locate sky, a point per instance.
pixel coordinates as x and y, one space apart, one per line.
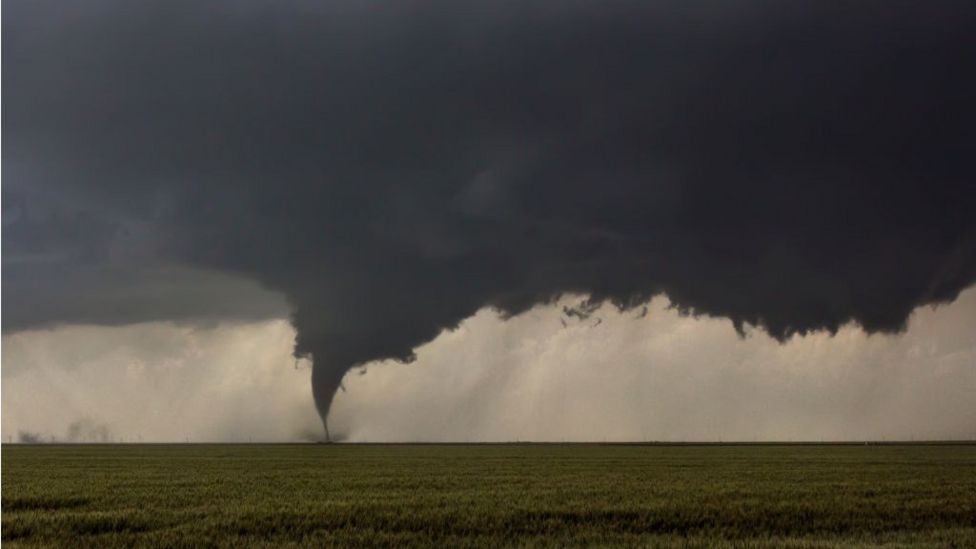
661 377
197 194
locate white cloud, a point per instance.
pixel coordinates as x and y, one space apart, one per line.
662 377
158 381
668 377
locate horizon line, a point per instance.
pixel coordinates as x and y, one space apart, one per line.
933 442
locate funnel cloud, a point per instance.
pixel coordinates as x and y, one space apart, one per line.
392 168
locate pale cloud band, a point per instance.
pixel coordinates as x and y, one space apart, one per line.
610 377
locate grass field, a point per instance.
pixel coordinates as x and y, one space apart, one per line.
489 495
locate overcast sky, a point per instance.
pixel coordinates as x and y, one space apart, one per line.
370 174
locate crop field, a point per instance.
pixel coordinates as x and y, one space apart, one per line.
489 495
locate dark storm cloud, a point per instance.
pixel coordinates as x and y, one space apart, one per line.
392 168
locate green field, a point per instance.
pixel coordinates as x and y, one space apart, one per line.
489 495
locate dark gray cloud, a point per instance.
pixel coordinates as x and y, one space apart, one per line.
393 167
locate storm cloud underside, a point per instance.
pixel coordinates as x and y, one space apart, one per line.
392 168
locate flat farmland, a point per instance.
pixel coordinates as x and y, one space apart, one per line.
489 495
